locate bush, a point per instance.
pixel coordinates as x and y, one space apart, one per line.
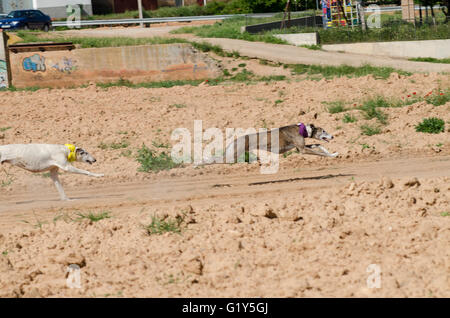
150 161
431 125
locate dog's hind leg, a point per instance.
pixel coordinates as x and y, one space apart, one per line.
55 178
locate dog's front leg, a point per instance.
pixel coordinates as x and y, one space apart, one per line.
328 154
309 151
72 169
55 178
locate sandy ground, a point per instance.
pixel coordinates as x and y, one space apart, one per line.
312 229
157 29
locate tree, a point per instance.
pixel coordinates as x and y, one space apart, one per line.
445 7
429 3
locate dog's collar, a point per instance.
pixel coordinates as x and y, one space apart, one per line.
72 154
302 130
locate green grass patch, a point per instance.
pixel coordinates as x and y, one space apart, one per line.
412 99
96 42
370 109
182 105
12 88
349 118
438 97
126 153
430 60
445 213
278 101
217 49
151 161
3 129
431 125
370 130
6 183
94 217
114 145
160 226
314 47
159 144
335 107
231 28
345 70
393 29
126 83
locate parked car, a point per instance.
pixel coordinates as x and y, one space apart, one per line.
26 19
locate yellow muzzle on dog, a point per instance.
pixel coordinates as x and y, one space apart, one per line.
72 155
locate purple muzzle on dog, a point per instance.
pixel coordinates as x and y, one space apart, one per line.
302 130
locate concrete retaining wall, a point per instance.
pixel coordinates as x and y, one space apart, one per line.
299 22
147 63
299 38
438 49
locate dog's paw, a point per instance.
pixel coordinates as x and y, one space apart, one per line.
99 175
334 154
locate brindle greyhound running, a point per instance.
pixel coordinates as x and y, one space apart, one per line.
289 137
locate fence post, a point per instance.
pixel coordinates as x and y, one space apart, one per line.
5 72
141 15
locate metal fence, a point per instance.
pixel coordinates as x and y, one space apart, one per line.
379 26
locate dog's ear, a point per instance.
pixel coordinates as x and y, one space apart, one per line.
312 126
79 151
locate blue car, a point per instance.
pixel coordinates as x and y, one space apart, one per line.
26 19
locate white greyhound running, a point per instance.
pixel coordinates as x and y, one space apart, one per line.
47 157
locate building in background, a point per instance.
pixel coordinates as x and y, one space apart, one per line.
119 6
54 8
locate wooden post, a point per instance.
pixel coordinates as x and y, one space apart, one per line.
5 72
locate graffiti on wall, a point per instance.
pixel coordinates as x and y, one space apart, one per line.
67 65
34 63
3 74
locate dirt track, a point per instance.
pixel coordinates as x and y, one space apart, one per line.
312 229
201 189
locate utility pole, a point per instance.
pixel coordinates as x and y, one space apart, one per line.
141 15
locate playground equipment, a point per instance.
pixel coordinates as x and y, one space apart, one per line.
338 13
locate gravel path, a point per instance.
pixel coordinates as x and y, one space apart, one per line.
299 55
